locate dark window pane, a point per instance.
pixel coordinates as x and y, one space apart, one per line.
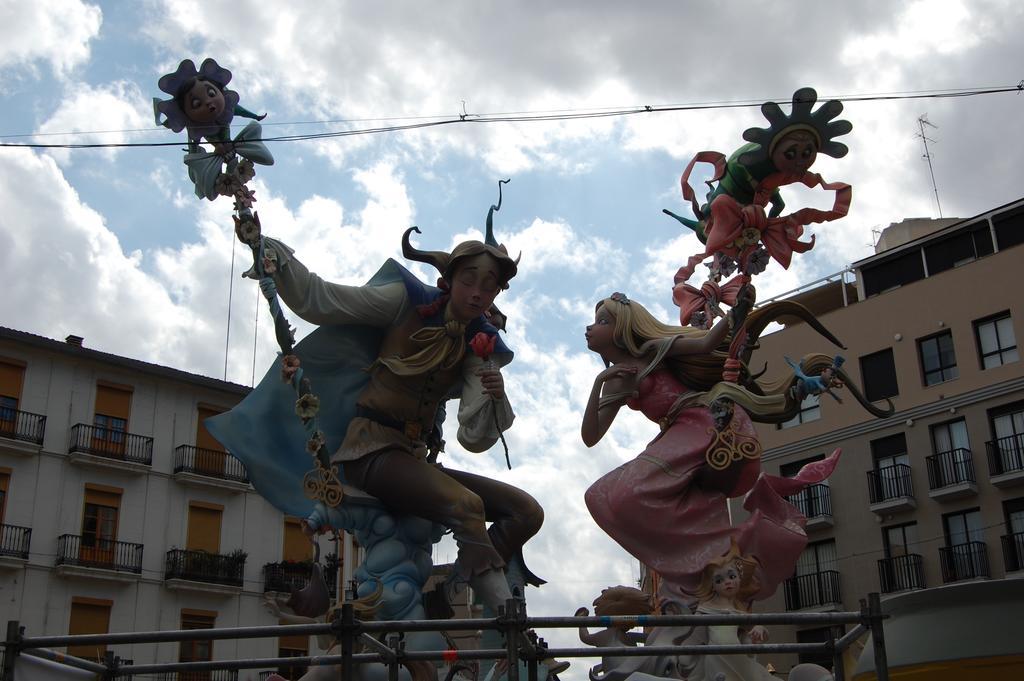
898 271
878 374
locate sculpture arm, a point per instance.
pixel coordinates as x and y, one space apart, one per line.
322 302
478 412
616 383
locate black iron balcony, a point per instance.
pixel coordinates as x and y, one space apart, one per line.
212 675
96 552
890 482
111 444
813 502
964 561
901 573
21 425
14 541
1013 551
200 566
1006 455
209 462
290 575
954 467
812 590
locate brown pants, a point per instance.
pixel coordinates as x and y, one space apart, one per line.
461 501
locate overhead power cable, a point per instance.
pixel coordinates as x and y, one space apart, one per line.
502 117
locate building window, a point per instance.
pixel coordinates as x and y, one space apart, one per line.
110 422
878 375
99 524
89 616
813 501
196 651
902 568
819 635
11 376
996 342
1006 452
965 555
810 410
292 646
1013 541
5 481
938 360
890 477
204 527
816 581
951 463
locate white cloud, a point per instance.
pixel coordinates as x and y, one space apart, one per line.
101 115
54 31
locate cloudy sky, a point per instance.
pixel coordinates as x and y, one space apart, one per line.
110 244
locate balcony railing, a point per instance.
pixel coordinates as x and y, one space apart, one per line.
1013 551
200 566
1006 455
213 675
22 425
814 502
111 444
812 590
209 462
890 482
950 468
288 576
964 561
901 573
96 552
14 541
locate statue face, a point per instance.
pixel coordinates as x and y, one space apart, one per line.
795 153
725 581
474 286
204 103
601 334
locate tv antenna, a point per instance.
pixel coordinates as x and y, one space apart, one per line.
922 121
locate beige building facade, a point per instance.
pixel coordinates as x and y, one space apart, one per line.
934 494
118 511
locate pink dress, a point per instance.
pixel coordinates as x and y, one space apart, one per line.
669 509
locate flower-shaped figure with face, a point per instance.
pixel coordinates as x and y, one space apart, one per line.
201 102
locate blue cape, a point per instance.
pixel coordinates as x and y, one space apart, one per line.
265 434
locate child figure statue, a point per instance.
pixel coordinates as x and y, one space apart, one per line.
615 601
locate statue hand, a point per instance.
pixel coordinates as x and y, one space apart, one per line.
758 634
492 382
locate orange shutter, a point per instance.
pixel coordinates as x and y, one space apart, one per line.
204 527
89 616
113 400
296 545
11 377
203 438
210 457
103 495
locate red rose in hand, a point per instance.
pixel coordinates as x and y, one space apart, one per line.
482 345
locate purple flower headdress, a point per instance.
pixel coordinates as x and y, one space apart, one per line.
184 77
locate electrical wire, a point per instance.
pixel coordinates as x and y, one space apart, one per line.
500 117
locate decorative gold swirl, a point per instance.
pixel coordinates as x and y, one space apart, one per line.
728 446
322 484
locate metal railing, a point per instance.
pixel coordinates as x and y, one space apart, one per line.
901 573
111 444
950 468
1013 551
22 425
1006 454
812 590
382 641
200 566
289 576
964 561
815 501
96 552
213 675
209 462
14 541
890 482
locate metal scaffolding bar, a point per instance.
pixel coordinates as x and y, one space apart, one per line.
512 621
